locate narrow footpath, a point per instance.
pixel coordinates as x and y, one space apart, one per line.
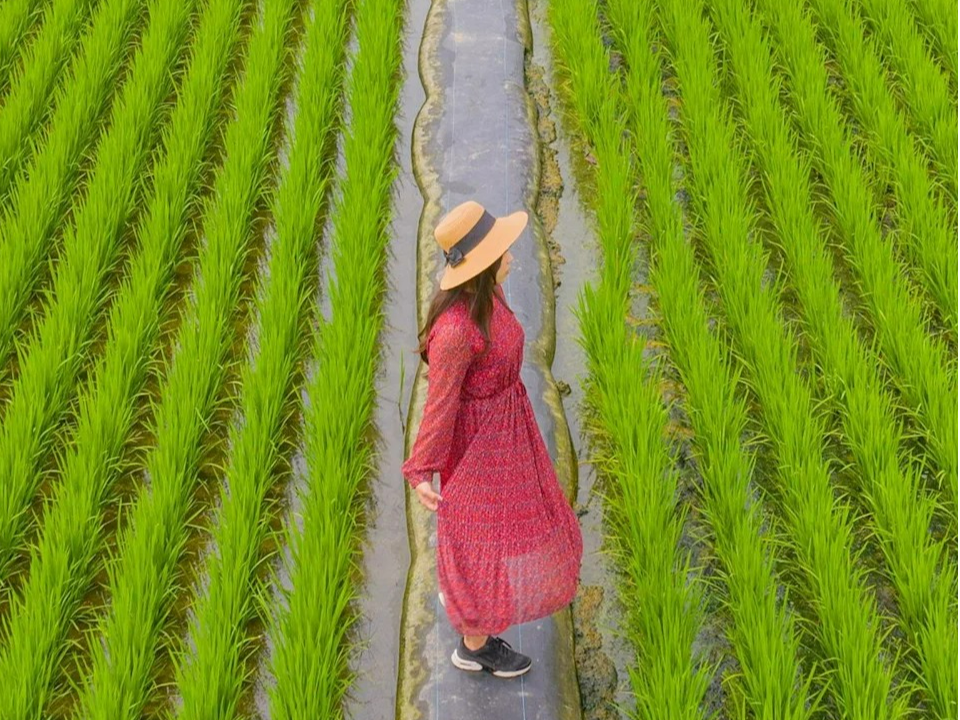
476 138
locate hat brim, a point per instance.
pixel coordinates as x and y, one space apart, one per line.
495 243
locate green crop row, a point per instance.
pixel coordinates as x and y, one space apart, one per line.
939 21
924 86
626 418
17 18
55 352
918 364
902 513
144 578
117 681
60 565
26 104
924 228
42 193
819 529
211 675
308 662
763 633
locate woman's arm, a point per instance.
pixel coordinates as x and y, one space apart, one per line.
450 355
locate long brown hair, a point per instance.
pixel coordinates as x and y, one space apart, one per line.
479 294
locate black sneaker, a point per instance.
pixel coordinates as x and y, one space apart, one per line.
496 657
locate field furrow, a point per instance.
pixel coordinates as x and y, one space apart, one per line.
211 676
144 578
54 354
62 561
919 365
938 20
924 230
27 103
307 661
627 418
43 192
888 486
17 18
821 530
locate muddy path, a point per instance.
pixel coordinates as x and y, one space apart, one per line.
476 138
475 122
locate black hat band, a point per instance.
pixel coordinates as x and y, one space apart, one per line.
457 253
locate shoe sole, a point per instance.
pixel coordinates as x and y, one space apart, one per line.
473 666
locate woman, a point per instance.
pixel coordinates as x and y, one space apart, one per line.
508 544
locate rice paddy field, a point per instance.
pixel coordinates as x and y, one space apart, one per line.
174 174
195 222
778 180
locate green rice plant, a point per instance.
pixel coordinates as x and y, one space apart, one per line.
763 634
938 20
820 528
926 232
144 578
26 105
116 683
92 243
888 486
41 196
211 674
626 419
627 422
309 626
17 18
919 366
923 84
62 562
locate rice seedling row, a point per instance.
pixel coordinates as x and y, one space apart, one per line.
308 663
918 364
763 633
53 355
938 20
820 528
26 104
42 193
923 84
626 417
17 18
118 676
61 562
144 578
888 484
924 230
211 675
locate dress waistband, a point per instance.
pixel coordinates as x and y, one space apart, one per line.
515 385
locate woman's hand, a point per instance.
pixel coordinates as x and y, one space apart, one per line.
428 498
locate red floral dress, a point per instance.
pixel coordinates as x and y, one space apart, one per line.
509 545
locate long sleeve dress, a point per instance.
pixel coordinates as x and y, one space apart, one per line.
509 545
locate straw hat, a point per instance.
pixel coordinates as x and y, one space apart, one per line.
472 239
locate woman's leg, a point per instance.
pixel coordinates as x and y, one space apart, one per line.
474 642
